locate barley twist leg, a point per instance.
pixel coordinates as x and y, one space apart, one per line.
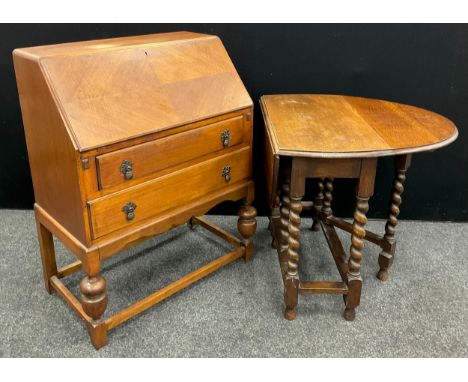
292 275
328 197
318 203
387 254
354 263
284 222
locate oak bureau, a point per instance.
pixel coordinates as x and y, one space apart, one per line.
128 138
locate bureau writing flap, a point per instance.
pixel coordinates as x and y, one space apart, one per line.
117 89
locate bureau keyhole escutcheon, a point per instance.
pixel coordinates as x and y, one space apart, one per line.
129 210
226 138
226 173
126 168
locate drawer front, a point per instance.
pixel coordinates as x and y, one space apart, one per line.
147 158
146 200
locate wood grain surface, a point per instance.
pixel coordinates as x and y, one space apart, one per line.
157 155
153 83
178 188
52 155
129 138
331 126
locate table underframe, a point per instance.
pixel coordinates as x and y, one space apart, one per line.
285 225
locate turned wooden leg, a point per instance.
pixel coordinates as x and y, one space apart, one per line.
292 275
364 190
284 222
354 264
318 203
46 245
328 197
247 225
387 254
275 214
94 301
191 224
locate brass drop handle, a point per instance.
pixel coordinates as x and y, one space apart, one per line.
129 210
226 173
126 168
226 138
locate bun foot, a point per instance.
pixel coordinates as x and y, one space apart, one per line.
349 314
290 314
382 275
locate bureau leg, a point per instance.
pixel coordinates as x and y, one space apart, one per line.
387 254
94 302
46 245
247 225
318 203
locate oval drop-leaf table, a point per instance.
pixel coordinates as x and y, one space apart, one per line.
333 136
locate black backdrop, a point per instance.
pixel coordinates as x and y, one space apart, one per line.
422 65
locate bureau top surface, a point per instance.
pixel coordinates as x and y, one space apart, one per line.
113 90
334 126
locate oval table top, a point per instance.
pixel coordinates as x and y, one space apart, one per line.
335 126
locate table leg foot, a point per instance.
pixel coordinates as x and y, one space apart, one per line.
290 314
349 314
291 291
382 275
274 245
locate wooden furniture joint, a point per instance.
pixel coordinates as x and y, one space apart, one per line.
326 137
128 138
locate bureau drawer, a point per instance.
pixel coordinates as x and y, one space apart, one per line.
146 158
132 205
